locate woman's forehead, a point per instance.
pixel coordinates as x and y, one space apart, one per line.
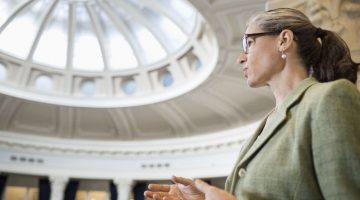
252 28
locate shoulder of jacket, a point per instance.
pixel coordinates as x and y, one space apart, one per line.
337 89
333 86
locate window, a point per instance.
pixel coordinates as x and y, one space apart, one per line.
92 195
52 46
21 193
87 52
88 87
3 72
196 64
44 83
167 79
129 86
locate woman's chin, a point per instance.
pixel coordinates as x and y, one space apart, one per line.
253 84
250 83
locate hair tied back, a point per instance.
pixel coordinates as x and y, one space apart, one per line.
320 32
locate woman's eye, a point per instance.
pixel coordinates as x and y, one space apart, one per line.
249 43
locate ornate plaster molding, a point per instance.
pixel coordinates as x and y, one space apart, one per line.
223 140
340 16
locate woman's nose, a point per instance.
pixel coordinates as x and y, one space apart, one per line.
242 58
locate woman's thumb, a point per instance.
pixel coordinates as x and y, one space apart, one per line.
202 186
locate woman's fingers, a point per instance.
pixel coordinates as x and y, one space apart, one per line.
161 196
182 180
170 192
159 187
156 195
157 191
149 194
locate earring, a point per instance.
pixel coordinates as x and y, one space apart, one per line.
311 71
283 55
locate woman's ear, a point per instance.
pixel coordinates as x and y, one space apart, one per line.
285 39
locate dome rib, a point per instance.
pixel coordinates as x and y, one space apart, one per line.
43 24
122 28
138 17
16 12
99 34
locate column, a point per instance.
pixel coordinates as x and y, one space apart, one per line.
58 184
124 187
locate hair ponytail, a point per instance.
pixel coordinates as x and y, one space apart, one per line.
335 60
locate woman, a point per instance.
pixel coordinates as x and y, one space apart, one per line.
308 146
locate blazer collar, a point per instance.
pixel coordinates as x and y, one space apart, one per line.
256 144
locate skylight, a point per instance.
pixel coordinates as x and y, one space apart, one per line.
116 52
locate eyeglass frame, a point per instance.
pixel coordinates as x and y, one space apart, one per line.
254 35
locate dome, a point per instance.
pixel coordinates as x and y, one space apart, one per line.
126 89
113 53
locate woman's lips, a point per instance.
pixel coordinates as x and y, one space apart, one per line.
245 71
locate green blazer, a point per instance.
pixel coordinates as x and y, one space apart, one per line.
310 150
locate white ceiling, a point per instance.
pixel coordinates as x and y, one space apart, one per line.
223 101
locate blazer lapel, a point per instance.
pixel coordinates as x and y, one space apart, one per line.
280 117
264 136
243 152
250 142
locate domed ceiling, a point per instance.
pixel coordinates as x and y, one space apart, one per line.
125 70
129 90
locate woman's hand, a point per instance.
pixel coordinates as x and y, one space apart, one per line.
187 189
183 189
213 193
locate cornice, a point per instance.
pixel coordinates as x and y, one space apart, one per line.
211 155
223 140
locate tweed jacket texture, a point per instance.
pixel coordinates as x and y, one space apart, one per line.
310 150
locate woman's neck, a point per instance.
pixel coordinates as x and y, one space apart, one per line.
282 84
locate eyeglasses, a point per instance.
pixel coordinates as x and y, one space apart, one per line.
246 43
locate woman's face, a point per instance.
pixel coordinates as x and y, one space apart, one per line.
263 60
